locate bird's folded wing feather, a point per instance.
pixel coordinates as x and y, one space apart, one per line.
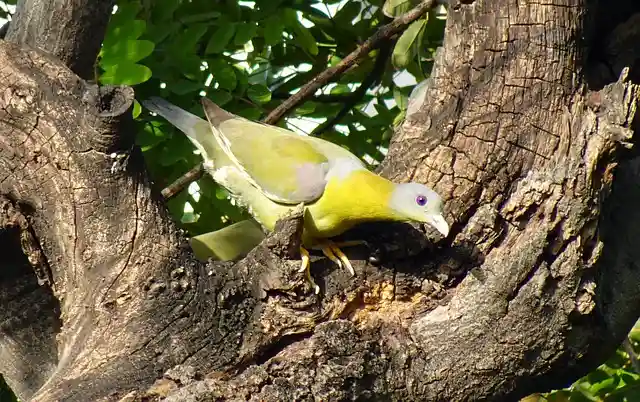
288 168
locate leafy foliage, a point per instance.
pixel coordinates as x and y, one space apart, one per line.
248 57
5 7
617 380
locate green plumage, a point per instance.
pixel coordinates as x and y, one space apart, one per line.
269 170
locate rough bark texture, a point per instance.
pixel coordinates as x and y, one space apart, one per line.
71 30
525 129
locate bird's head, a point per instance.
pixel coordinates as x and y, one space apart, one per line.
419 203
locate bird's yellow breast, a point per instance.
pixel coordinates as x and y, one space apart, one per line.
361 196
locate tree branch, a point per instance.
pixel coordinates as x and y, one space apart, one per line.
378 38
538 284
195 173
374 77
322 98
71 30
385 32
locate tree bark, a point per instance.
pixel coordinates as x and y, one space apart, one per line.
71 30
527 128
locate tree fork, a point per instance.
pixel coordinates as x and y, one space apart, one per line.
519 129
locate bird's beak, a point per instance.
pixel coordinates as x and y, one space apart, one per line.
438 222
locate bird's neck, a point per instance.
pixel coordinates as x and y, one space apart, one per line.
361 197
369 195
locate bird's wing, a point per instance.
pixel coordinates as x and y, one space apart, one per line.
246 195
288 168
223 170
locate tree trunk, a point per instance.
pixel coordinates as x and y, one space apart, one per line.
527 128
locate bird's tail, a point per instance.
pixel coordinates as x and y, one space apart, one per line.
183 120
197 130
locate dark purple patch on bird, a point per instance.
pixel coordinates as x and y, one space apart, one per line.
421 200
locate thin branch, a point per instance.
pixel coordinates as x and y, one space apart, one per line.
376 40
183 181
373 42
374 77
322 98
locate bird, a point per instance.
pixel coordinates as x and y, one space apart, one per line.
270 170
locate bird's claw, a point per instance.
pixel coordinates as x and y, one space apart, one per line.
333 252
304 267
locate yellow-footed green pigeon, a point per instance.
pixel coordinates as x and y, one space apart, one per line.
269 170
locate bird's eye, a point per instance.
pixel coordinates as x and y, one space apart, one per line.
421 200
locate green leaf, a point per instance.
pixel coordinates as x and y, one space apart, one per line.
386 135
221 193
557 396
128 30
348 13
223 74
399 118
301 34
245 32
166 11
137 109
233 10
326 24
151 135
259 93
189 65
200 17
605 386
219 97
580 394
158 33
305 39
187 40
306 108
404 50
221 37
419 68
183 86
251 113
272 29
125 74
129 50
630 378
176 148
394 8
340 89
127 11
268 6
243 80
